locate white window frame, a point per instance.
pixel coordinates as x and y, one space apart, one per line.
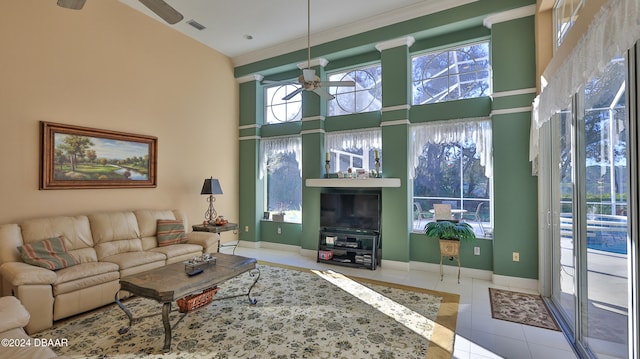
280 91
358 92
444 96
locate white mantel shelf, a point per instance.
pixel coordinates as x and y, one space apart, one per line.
353 182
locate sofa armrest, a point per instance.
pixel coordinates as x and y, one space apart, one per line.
19 273
13 315
208 241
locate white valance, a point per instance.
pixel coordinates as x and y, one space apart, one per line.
284 144
371 138
477 130
615 29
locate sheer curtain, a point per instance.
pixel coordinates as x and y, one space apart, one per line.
371 138
615 29
285 144
477 130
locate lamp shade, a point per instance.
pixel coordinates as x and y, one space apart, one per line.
211 186
71 4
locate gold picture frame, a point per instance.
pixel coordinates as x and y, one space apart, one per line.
74 157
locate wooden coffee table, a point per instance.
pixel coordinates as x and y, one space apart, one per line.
169 283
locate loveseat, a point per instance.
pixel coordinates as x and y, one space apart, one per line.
94 251
15 342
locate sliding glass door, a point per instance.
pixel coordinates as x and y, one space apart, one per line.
590 233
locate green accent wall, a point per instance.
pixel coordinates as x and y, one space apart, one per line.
281 232
515 189
395 76
513 54
516 198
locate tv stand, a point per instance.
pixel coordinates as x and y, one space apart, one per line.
349 248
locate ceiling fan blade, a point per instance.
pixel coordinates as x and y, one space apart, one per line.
71 4
323 94
337 83
164 10
309 75
292 95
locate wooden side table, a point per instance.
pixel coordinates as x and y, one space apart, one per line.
217 230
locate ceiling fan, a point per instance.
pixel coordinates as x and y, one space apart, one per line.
159 7
309 81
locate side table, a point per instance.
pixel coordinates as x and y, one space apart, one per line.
217 230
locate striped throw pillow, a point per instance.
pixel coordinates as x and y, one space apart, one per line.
49 253
170 232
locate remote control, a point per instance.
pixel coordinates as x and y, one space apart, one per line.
194 272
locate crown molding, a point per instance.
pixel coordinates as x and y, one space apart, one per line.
249 78
509 15
403 41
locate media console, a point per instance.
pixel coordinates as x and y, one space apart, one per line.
350 248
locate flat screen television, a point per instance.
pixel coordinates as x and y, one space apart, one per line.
350 211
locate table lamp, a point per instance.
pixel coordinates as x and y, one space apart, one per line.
211 186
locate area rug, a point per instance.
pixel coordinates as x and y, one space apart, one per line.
299 314
521 308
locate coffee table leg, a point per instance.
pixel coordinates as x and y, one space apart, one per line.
166 309
253 301
126 311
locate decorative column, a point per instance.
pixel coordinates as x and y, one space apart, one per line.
251 189
313 114
396 100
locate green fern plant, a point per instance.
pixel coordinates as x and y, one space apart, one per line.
449 230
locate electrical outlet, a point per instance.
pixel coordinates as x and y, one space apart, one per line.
476 251
516 256
279 230
246 228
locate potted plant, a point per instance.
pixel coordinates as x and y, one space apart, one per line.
449 230
450 233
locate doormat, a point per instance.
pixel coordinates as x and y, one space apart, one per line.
521 308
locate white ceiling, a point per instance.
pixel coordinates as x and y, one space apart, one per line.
280 26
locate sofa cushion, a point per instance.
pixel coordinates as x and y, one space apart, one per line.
49 253
84 276
148 220
115 233
170 232
177 250
134 259
75 231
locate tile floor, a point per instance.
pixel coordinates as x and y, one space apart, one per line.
477 334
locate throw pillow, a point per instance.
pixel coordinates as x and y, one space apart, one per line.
49 253
170 232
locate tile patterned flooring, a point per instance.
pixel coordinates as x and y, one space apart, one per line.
478 336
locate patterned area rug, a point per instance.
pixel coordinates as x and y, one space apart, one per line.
521 308
299 314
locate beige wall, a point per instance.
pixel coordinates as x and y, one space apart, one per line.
108 66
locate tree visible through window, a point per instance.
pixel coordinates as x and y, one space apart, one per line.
280 161
455 171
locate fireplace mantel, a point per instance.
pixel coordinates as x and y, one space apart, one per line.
353 182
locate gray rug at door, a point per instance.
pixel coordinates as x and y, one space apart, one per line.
521 308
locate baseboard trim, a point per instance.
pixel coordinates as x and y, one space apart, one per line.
501 280
452 270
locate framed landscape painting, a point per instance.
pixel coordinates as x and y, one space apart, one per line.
80 157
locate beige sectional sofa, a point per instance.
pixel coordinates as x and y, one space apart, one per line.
107 245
